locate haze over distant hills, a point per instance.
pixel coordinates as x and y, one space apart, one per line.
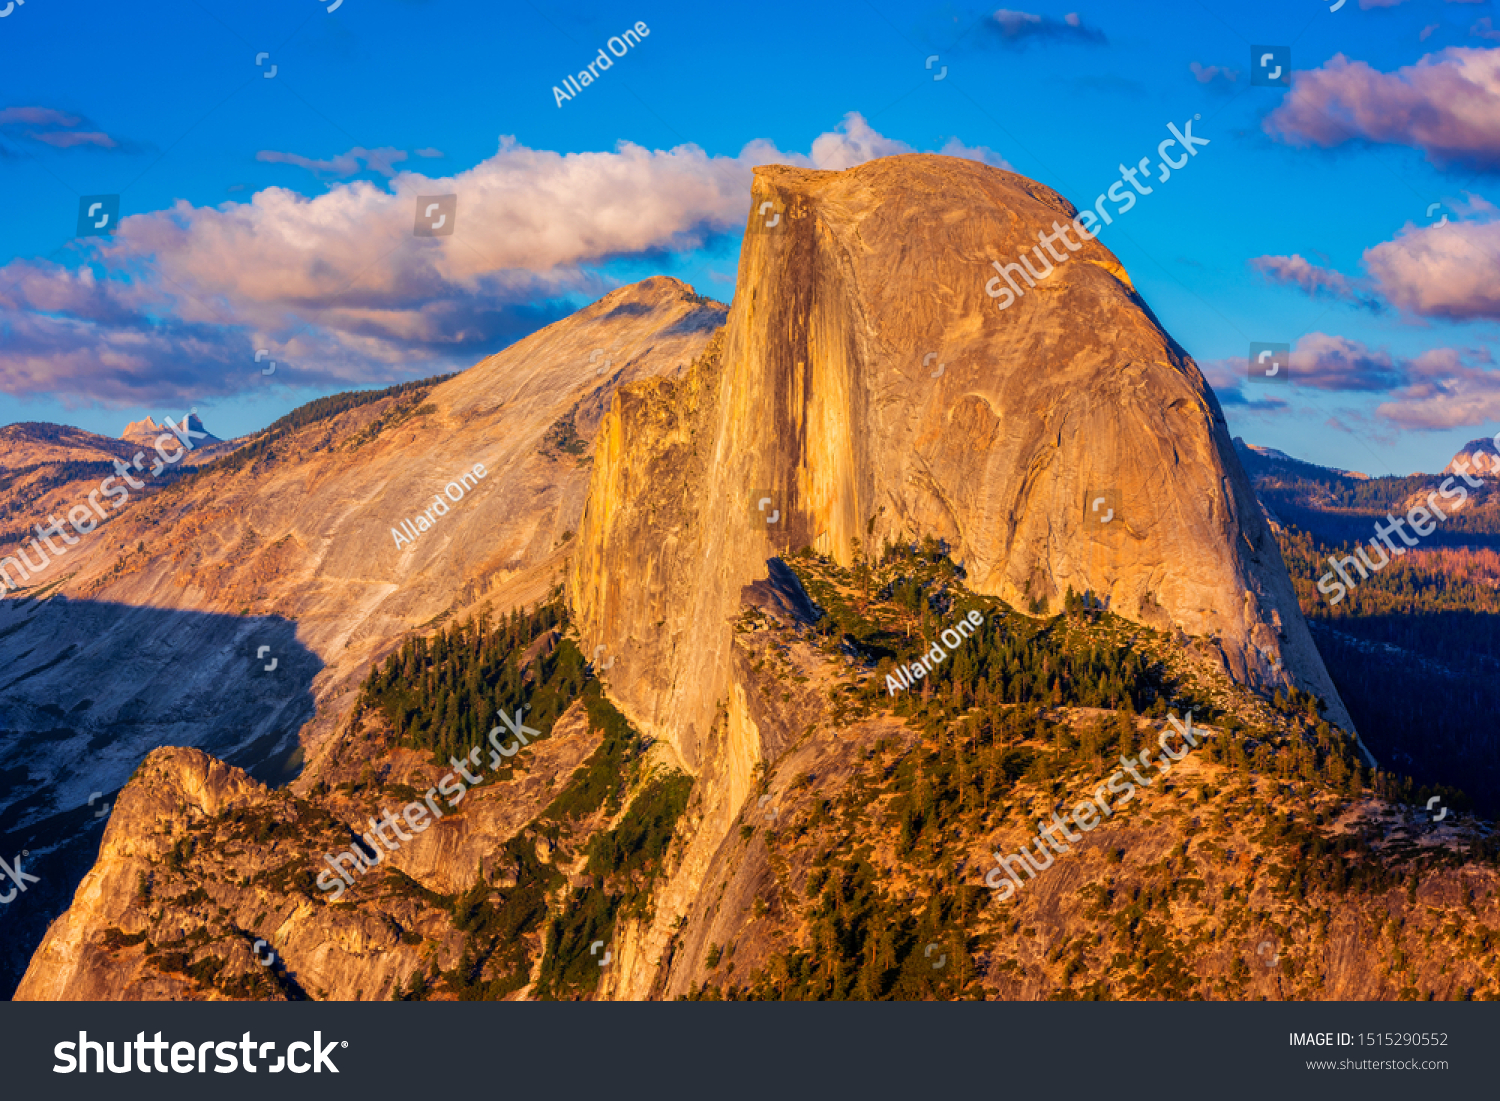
1259 459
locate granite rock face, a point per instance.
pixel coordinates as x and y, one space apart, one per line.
198 856
163 609
864 386
176 787
237 610
868 386
1478 458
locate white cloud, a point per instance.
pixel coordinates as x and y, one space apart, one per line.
854 142
342 289
1449 271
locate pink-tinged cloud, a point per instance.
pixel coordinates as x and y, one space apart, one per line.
36 116
1317 282
1323 362
40 286
1318 362
1207 74
1440 389
1446 271
1227 377
352 163
58 129
1484 29
175 302
1447 105
1020 29
67 139
1447 388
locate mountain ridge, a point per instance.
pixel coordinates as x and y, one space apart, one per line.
237 610
805 425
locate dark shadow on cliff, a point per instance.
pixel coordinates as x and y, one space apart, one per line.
1359 527
1426 709
87 690
703 319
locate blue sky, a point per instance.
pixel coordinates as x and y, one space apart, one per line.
275 211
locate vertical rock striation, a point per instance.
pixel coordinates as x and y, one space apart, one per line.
866 386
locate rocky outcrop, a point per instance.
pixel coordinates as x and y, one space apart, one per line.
868 387
237 610
781 596
1479 458
859 845
175 787
146 429
839 856
201 861
865 388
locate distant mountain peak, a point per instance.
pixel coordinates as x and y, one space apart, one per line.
1272 455
1476 457
134 429
148 430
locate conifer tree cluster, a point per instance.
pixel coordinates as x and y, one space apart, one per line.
1426 706
444 693
896 611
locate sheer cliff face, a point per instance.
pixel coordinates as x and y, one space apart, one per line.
825 418
238 611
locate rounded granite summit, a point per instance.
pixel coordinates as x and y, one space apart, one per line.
1066 442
